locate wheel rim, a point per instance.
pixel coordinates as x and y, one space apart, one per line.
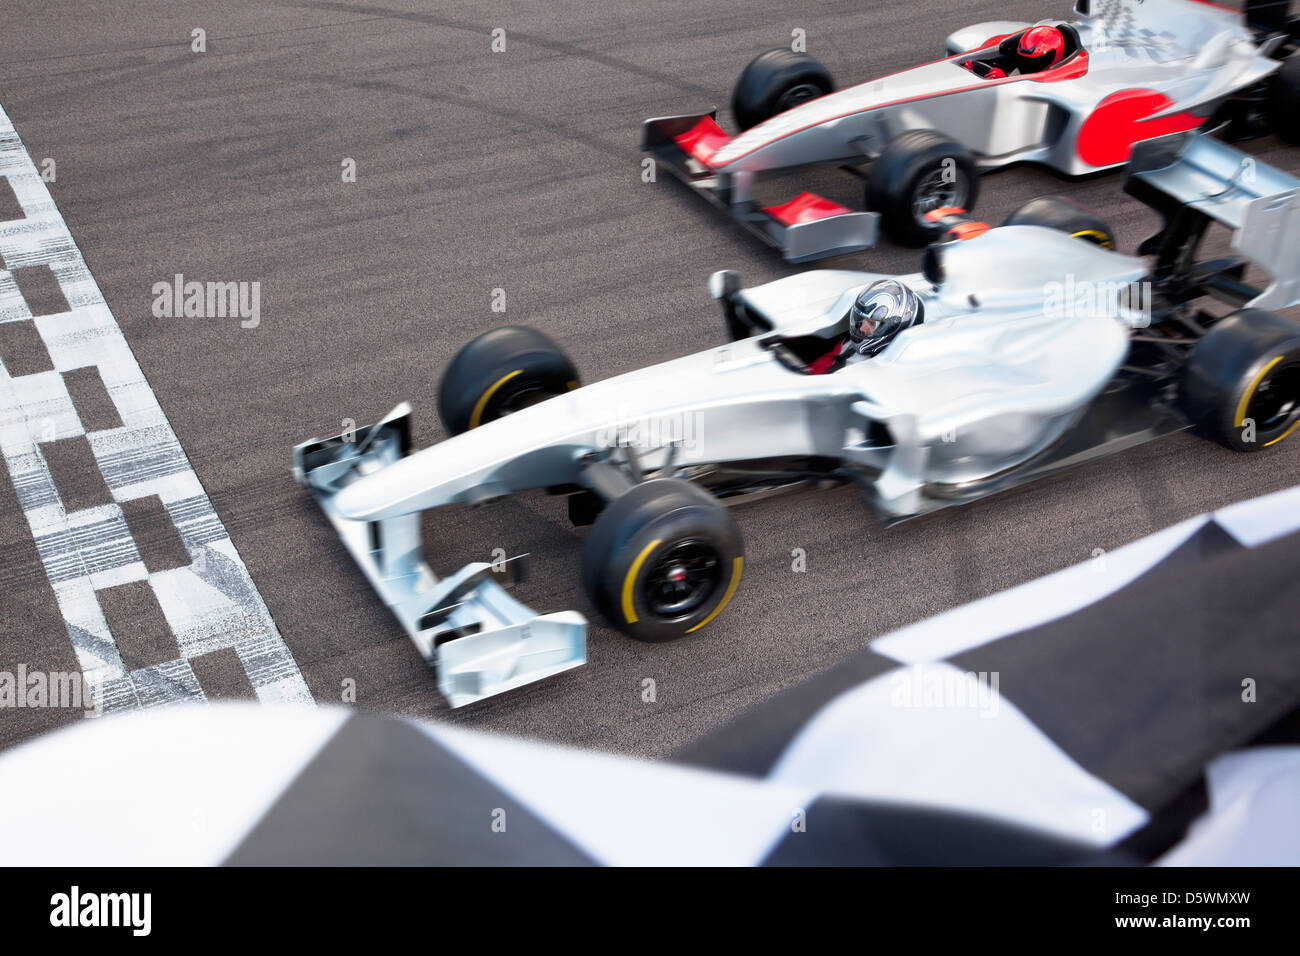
526 396
797 94
935 192
1275 405
682 579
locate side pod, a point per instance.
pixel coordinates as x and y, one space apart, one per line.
480 640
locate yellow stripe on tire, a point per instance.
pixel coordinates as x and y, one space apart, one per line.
629 609
476 417
737 566
1283 435
1102 239
1250 392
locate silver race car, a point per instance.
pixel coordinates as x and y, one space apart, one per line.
1074 96
926 390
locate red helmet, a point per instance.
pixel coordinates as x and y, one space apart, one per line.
1040 48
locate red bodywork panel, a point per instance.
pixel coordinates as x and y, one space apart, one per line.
805 207
959 226
969 230
1073 68
1120 120
934 215
702 140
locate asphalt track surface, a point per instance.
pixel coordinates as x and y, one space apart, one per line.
476 171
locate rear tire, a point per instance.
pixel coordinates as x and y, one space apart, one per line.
775 81
910 179
662 560
499 372
1284 100
1242 382
1064 215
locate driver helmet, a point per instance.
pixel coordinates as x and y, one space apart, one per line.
1040 48
880 312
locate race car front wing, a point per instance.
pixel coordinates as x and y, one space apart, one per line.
480 640
806 227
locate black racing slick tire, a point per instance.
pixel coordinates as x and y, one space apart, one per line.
919 172
1241 384
662 560
499 372
1064 215
775 81
1284 100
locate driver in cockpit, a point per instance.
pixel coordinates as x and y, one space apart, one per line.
879 313
1038 48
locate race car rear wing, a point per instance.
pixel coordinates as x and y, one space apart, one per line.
480 640
806 227
1192 181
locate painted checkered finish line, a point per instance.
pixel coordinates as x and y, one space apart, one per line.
1117 732
209 602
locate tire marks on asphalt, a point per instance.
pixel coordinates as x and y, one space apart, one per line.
534 39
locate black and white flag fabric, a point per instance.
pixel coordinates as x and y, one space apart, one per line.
1141 708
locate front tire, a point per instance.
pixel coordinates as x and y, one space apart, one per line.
775 81
919 172
1242 381
501 372
662 560
1064 215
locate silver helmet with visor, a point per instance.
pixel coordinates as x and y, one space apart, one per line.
880 312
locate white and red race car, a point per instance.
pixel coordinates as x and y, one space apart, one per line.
1121 72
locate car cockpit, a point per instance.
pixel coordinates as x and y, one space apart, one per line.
880 312
1030 51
